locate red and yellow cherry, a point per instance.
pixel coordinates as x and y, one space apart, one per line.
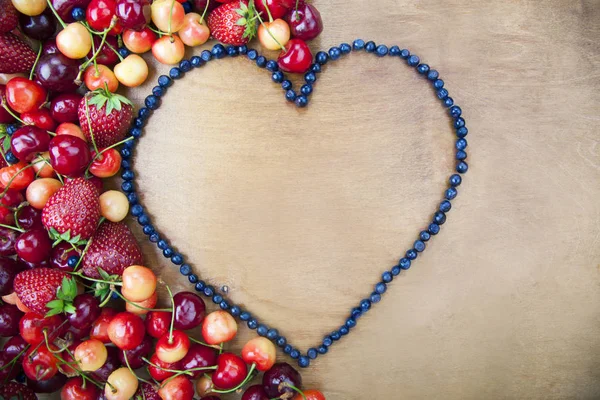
64 107
139 283
29 140
77 389
167 15
114 206
99 14
194 31
30 7
277 8
32 326
305 21
90 355
42 167
172 347
69 155
41 117
23 95
139 41
74 41
100 325
311 394
204 385
122 385
296 57
39 191
273 35
68 128
158 370
39 363
231 371
126 331
100 76
132 71
144 305
133 14
178 388
260 351
219 327
105 164
157 323
168 49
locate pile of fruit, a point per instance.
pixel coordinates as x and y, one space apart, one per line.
78 309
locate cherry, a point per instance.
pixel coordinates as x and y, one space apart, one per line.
107 55
122 385
133 14
178 388
276 379
87 309
276 7
157 323
8 373
201 5
173 346
29 218
49 47
64 107
159 373
40 364
100 325
16 176
255 392
296 57
134 357
126 331
139 283
305 22
60 259
67 355
23 95
199 356
90 355
14 346
69 155
311 394
76 333
65 7
48 386
34 246
77 389
99 15
219 327
38 27
190 310
9 320
204 384
260 351
231 371
5 117
8 238
57 72
112 363
9 268
33 325
27 141
41 117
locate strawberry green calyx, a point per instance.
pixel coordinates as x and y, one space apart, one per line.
65 237
247 19
64 298
101 97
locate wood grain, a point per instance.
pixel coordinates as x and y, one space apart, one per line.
299 212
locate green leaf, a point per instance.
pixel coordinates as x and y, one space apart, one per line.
241 22
240 12
54 311
103 274
55 304
6 143
70 308
66 236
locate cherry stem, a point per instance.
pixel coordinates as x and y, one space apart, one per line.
130 138
36 61
269 31
14 228
157 31
179 372
296 10
214 346
248 377
171 15
85 249
78 274
104 35
172 314
268 11
56 14
205 10
89 121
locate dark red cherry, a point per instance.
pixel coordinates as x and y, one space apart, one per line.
305 22
199 356
201 5
65 7
87 309
276 7
296 57
107 56
73 333
157 323
134 357
34 246
69 155
30 265
28 141
8 238
190 310
276 379
61 254
42 118
75 389
14 346
48 386
9 320
255 392
64 107
29 217
8 373
38 27
5 117
9 268
112 363
231 371
50 47
133 14
57 72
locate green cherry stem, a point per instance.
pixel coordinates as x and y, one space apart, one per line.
14 228
205 10
56 14
214 346
39 53
85 249
171 15
268 11
157 31
248 377
80 275
90 60
114 50
172 314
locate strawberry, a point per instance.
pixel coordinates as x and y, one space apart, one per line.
9 18
106 116
16 391
233 23
15 55
113 249
38 286
146 392
73 212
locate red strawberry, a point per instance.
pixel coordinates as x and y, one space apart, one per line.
36 287
113 249
72 214
9 18
233 23
14 390
15 55
107 116
146 392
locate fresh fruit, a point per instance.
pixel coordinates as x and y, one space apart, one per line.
51 385
168 49
9 18
8 237
9 268
60 256
69 155
204 385
139 41
133 14
74 41
105 117
5 117
157 323
132 71
231 371
36 287
29 217
33 246
305 21
99 77
139 283
273 35
147 391
87 310
40 190
126 331
255 392
123 385
27 141
278 379
311 394
135 356
113 249
57 72
49 47
107 55
260 351
178 388
30 7
99 14
75 389
38 27
9 320
219 327
172 347
90 355
190 310
106 163
198 356
233 23
39 363
277 8
68 128
167 15
64 8
161 373
100 325
17 176
23 95
14 347
114 206
42 118
296 57
111 364
64 107
8 371
14 390
193 32
74 210
67 354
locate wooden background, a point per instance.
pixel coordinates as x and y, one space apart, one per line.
299 212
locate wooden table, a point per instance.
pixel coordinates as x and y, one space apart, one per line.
299 212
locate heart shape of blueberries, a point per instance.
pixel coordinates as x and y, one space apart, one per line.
300 99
